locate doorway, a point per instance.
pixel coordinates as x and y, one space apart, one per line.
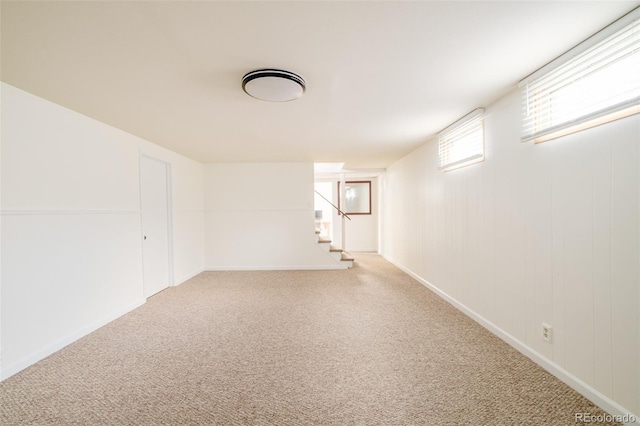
155 211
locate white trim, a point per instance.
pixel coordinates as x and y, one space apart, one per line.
1 85
569 379
477 113
170 221
583 46
188 276
463 163
31 359
64 212
275 268
584 124
258 209
169 178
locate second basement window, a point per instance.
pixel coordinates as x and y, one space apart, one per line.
462 143
596 82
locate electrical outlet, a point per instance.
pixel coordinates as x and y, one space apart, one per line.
547 332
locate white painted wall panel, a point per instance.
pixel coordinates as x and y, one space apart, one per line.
539 275
58 160
362 230
249 186
625 278
188 243
1 315
557 320
71 237
602 314
536 233
57 280
577 226
261 216
263 239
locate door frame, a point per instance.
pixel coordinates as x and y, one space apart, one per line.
169 180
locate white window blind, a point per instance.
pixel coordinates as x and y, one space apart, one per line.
596 82
462 143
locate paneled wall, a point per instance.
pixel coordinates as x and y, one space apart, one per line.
71 233
536 233
188 216
261 216
362 230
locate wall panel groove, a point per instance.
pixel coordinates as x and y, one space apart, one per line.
536 233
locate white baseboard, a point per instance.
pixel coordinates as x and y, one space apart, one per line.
31 359
187 277
604 402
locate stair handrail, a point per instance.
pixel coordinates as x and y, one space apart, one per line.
340 212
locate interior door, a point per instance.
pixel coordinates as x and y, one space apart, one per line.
154 206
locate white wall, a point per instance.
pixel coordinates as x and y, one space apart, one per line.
361 232
188 215
71 237
261 216
546 232
1 133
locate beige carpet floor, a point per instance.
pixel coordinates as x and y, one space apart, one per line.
366 346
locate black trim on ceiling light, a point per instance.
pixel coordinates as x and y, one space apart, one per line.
272 72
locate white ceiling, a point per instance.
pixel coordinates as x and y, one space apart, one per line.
382 77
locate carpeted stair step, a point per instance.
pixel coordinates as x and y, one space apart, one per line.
347 259
338 254
347 256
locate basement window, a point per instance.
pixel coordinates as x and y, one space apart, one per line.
594 83
462 143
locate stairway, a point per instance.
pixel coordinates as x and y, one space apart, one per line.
340 255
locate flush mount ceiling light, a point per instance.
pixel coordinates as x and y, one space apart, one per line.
273 85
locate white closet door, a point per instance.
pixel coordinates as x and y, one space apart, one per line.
154 206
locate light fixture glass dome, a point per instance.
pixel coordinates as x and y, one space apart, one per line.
273 85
